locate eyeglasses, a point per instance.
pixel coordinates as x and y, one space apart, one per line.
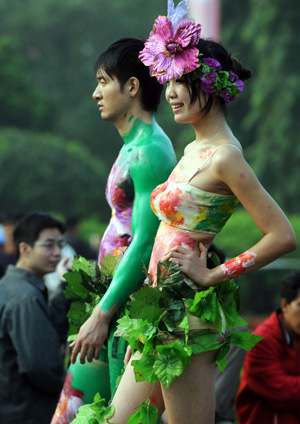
51 245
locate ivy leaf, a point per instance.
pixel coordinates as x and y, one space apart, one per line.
95 412
78 313
109 264
228 292
221 360
75 290
171 362
143 368
175 313
145 304
244 339
204 340
168 273
146 414
136 331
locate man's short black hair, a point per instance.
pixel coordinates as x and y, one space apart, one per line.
290 287
28 229
121 60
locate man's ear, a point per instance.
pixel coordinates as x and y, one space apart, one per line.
134 86
24 248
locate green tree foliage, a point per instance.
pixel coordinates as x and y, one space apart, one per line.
22 104
45 172
266 33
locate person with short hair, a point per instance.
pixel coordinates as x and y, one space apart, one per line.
128 97
269 391
31 363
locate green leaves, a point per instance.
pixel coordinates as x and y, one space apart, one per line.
171 362
204 341
146 414
86 286
94 413
244 339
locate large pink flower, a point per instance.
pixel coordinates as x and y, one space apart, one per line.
169 53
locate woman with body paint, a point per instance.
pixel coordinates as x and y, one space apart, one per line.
193 206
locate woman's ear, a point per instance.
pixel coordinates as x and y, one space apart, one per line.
134 86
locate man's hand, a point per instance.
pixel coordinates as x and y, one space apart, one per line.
91 336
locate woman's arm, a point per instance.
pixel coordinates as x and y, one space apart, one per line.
233 172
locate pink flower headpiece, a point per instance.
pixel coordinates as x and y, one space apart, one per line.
170 49
170 52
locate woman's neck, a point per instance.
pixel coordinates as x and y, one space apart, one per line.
212 127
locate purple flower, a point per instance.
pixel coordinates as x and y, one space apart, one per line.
206 82
224 94
240 85
232 76
213 63
168 54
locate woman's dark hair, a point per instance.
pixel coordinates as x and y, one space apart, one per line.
210 48
121 59
290 287
28 229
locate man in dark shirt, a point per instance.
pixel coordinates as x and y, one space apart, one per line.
31 363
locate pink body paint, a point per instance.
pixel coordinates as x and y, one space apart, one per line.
238 265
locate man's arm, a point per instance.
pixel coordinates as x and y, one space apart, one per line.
151 169
37 344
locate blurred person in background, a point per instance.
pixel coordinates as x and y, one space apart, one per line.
269 391
31 363
8 253
73 239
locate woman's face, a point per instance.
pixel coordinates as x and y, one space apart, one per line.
177 94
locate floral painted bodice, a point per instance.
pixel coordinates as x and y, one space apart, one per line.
183 208
120 194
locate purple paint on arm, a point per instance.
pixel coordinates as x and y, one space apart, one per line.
242 176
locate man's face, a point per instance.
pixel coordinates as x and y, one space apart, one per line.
291 315
113 102
44 256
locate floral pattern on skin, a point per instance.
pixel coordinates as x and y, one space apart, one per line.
237 266
174 177
166 238
68 404
120 195
206 153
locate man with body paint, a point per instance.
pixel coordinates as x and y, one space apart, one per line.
128 97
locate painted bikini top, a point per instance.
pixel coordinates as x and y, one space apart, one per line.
187 207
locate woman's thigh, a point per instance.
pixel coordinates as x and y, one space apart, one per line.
130 395
191 397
